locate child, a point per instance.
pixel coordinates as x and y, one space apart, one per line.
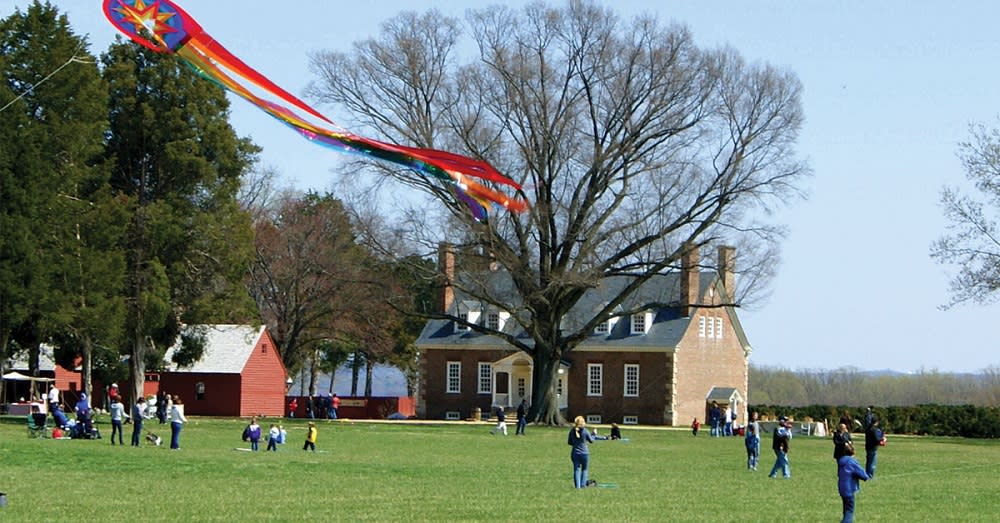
616 432
849 471
695 425
501 422
310 438
273 437
752 442
253 433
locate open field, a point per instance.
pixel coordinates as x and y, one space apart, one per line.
410 472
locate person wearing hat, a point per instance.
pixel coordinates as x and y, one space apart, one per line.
779 443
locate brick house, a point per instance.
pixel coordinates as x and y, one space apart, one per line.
239 374
657 367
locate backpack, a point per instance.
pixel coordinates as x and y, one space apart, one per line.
246 433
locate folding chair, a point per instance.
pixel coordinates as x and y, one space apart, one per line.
36 425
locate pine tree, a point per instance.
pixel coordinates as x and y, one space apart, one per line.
178 163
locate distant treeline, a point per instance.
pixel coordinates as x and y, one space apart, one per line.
967 421
851 386
926 403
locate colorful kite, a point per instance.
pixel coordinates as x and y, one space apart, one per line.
164 27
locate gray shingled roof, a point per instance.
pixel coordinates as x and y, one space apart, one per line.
227 349
666 331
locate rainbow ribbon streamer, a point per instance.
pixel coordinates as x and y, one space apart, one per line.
164 27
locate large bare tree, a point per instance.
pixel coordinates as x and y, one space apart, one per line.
633 144
972 240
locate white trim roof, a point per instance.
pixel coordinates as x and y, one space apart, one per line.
227 349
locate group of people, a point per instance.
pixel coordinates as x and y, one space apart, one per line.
275 435
501 415
721 423
849 470
324 407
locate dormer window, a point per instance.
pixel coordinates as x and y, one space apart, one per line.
493 321
639 323
464 316
602 328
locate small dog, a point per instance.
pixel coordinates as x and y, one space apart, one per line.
154 439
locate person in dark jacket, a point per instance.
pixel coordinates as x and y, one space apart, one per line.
780 444
841 439
501 422
522 418
873 440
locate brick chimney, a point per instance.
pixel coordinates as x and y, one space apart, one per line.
690 282
727 268
446 264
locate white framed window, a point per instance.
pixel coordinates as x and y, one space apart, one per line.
452 415
493 321
709 327
454 377
602 328
595 375
639 323
718 328
559 386
630 420
701 326
631 380
593 418
464 316
522 387
485 378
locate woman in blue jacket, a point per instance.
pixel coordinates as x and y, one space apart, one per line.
849 471
579 439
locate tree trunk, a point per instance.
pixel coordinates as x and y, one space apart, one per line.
544 401
87 367
137 366
355 371
369 367
313 372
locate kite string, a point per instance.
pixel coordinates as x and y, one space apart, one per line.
72 59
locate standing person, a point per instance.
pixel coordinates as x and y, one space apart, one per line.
727 422
273 437
292 407
869 418
580 439
841 439
253 433
177 421
779 443
309 408
138 415
310 437
117 412
845 418
161 407
873 439
501 422
753 421
334 406
849 471
752 442
695 425
714 418
53 398
522 417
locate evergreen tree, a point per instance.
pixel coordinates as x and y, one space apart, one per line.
178 163
58 274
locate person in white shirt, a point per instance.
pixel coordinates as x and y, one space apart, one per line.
53 398
177 421
117 413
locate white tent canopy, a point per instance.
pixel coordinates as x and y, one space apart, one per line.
17 376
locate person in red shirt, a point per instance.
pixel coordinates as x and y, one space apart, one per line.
292 407
695 425
334 406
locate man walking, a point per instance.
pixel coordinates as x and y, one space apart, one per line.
779 442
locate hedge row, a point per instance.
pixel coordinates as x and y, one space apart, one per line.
966 421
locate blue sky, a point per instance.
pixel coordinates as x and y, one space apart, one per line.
890 88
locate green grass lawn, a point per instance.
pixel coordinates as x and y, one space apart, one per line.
411 472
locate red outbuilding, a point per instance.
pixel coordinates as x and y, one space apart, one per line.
239 374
